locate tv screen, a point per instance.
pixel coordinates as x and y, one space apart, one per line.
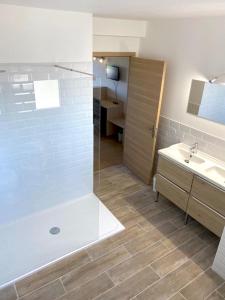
113 72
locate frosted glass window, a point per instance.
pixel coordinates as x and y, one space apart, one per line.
46 94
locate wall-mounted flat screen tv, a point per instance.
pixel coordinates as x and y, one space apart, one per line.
113 72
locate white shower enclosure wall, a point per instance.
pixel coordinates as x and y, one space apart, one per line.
47 206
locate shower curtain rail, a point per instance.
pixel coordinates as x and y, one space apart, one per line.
73 70
65 68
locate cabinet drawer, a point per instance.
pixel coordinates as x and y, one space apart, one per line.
171 192
209 194
174 173
206 216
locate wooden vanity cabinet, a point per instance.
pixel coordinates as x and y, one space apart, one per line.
209 194
199 198
208 217
171 191
173 182
175 173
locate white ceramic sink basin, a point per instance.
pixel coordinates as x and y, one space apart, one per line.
185 155
216 172
200 163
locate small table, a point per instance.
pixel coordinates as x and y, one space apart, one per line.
120 121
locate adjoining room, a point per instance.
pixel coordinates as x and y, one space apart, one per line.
110 99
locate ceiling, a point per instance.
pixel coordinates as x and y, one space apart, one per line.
133 9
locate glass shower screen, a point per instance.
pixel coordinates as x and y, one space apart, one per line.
46 165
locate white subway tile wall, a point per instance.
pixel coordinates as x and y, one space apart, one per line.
171 132
46 155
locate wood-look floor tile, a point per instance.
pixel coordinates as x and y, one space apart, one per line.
165 229
140 198
182 235
132 189
91 289
131 220
221 290
165 216
116 204
169 262
178 257
136 263
122 267
202 286
122 211
149 238
149 209
208 237
111 195
89 271
204 259
215 296
51 273
52 291
124 183
109 244
104 188
178 221
8 293
146 226
123 178
177 297
144 240
164 203
171 283
192 247
131 287
146 191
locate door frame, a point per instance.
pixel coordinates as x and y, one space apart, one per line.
114 54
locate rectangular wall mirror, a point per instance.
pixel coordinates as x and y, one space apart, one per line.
207 100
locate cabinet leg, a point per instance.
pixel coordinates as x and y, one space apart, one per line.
186 219
157 197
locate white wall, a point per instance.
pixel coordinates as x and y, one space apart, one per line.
116 44
100 72
119 27
118 35
41 35
219 261
46 154
193 49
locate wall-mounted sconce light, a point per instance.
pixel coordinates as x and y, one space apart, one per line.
99 59
218 79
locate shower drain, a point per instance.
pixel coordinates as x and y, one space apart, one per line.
54 230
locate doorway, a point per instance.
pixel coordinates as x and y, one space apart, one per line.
127 104
110 101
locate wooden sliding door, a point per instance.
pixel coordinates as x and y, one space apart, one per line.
145 90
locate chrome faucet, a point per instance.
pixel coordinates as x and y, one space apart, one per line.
193 149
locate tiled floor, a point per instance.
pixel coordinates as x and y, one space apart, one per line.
111 152
156 257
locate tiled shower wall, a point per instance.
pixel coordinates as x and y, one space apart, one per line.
46 155
171 132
